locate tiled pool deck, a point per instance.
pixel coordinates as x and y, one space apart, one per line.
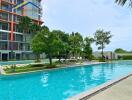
120 89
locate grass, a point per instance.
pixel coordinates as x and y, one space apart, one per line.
36 67
29 68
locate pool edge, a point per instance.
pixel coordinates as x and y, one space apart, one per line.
89 93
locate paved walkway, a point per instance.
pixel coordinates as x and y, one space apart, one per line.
1 70
120 91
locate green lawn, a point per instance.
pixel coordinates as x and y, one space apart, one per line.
29 68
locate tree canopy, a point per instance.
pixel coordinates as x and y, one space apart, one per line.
87 51
102 39
75 43
57 43
120 50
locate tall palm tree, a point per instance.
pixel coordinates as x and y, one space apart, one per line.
102 39
24 25
123 2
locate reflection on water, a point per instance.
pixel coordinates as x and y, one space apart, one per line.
44 79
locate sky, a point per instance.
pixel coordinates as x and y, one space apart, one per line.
86 16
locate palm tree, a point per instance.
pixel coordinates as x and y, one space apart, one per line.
75 42
24 25
102 38
87 49
123 2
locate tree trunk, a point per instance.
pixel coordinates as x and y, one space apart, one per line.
59 56
37 57
50 59
66 56
102 54
59 59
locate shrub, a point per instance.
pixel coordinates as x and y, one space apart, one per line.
101 60
48 66
127 57
37 65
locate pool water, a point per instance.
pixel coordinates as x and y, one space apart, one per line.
23 62
16 62
61 83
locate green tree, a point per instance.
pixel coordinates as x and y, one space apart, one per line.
37 45
63 45
49 43
75 43
102 38
34 28
120 50
123 2
87 50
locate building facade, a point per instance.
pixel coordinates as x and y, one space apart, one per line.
21 42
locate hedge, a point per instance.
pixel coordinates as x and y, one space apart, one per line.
127 57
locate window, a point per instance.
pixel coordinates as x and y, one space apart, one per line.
4 36
18 37
4 16
13 45
5 7
3 45
3 26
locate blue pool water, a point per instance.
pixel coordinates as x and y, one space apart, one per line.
22 62
60 84
16 62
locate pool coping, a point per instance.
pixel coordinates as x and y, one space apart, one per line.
90 93
68 66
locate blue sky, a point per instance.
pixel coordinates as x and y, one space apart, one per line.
86 16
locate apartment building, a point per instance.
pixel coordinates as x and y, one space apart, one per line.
21 43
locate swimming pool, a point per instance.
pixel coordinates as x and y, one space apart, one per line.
24 62
16 62
61 83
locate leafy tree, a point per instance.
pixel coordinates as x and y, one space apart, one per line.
123 2
87 47
120 50
102 38
75 43
48 43
63 45
37 45
35 28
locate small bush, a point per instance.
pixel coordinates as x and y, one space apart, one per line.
101 60
37 65
48 66
126 57
37 61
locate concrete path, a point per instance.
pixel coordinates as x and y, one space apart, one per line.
119 91
1 70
